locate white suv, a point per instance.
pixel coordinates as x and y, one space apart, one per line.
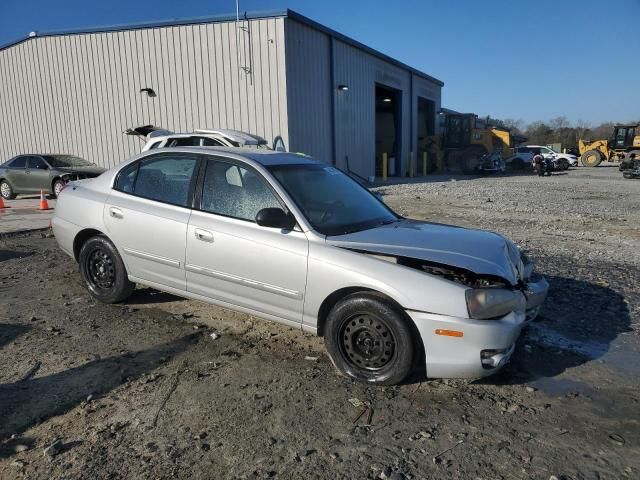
160 138
523 156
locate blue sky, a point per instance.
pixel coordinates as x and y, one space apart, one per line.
533 60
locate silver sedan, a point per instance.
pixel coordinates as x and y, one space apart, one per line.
291 239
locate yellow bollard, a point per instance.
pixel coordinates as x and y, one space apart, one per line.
384 166
424 164
410 164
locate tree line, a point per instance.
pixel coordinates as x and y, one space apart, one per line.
557 130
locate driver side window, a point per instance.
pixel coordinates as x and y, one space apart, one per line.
37 162
234 191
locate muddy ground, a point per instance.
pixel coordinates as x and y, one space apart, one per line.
141 390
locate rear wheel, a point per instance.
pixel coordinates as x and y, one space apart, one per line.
103 271
6 191
591 158
369 340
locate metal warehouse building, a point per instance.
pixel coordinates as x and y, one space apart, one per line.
274 74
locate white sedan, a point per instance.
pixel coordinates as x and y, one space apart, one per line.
291 239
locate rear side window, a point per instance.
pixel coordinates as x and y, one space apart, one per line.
20 162
166 178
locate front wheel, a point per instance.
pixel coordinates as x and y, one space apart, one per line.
591 158
103 271
58 185
370 340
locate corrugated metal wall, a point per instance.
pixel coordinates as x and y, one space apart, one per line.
78 93
309 90
355 108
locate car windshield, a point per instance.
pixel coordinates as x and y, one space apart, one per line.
66 161
331 201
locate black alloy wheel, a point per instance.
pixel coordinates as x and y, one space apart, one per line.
103 271
371 339
100 269
366 342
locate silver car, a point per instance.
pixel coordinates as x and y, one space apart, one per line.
291 239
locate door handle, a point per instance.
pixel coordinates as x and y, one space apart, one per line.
115 212
204 235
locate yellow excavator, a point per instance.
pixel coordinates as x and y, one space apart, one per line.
466 138
625 141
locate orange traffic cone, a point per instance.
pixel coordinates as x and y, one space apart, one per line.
2 203
44 205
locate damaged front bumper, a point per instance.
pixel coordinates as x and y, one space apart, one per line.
480 348
477 348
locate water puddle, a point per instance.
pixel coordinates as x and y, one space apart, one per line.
620 354
558 387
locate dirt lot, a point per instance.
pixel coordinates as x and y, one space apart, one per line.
141 390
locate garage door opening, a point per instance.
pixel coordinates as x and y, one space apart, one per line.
388 115
426 129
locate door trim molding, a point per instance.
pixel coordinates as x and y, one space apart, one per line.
247 282
154 258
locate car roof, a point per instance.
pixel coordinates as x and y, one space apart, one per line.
263 157
243 138
45 155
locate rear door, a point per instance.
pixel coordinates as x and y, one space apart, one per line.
16 174
233 259
38 174
147 214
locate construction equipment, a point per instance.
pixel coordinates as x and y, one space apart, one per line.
624 141
466 138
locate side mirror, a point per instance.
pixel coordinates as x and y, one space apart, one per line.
275 218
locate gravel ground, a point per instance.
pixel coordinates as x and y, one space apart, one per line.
142 390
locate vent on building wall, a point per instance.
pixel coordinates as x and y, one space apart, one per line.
149 91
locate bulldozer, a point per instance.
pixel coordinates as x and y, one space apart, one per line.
466 138
624 141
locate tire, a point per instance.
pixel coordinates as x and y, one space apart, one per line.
370 340
6 190
591 158
518 164
103 271
57 187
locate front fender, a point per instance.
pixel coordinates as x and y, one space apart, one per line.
333 268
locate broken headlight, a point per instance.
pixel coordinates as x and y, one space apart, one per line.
488 303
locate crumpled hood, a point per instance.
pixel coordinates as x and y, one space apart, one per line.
481 252
94 171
